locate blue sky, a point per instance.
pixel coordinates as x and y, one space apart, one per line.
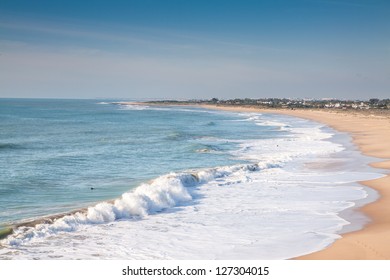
195 49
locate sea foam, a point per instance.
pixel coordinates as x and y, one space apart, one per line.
174 189
149 198
268 207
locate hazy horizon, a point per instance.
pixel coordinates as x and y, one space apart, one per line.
125 99
177 49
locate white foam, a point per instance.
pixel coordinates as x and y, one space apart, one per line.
270 208
164 192
245 215
149 198
133 107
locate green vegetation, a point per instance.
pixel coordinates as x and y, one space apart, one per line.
287 103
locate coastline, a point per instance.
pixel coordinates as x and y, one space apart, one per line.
371 134
332 163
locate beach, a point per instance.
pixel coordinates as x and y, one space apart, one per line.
252 185
371 134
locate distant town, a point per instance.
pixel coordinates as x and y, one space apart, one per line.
272 103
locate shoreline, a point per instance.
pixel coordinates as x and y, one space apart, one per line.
372 132
371 135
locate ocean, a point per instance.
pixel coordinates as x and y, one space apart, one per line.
171 182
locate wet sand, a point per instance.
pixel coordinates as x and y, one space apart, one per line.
371 134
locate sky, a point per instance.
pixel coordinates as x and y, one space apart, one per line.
183 49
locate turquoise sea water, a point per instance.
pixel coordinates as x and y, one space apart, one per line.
54 151
172 182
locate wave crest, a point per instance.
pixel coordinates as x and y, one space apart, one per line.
162 193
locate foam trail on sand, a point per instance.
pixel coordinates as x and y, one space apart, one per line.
265 203
174 189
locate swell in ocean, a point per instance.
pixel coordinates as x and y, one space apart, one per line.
160 194
274 206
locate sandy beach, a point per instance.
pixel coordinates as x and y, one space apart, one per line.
371 134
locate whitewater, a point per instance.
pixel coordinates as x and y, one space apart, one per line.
235 186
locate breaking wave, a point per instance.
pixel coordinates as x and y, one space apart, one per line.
162 193
179 189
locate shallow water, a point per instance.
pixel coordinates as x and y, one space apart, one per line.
186 180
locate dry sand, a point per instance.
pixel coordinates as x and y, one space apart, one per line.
371 134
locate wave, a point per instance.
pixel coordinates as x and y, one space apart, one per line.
178 189
10 146
258 120
167 191
178 136
133 107
129 106
208 150
273 123
204 148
